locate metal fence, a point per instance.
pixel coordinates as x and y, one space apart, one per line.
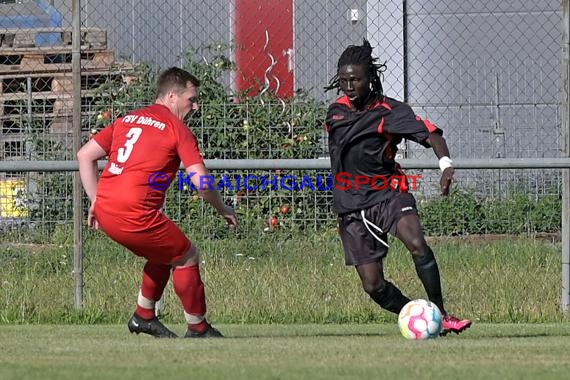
489 73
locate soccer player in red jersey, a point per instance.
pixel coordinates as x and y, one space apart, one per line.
365 128
145 149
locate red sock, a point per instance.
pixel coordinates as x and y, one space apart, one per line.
198 327
189 287
155 278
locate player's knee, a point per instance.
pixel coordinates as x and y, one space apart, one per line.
417 246
191 257
424 258
374 287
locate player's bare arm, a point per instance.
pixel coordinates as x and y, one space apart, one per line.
441 150
210 194
87 158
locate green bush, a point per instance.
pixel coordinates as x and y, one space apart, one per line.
463 213
235 126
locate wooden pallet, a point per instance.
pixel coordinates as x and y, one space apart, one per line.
21 130
25 38
118 67
58 83
48 123
46 102
39 61
14 137
61 127
13 147
36 82
21 137
44 95
11 121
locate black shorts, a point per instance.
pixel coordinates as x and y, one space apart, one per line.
360 246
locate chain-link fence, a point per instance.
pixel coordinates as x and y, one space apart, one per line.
487 72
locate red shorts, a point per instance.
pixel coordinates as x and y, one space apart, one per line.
153 236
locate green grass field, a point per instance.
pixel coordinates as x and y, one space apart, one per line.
290 308
284 279
486 351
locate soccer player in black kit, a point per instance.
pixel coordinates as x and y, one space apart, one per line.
364 128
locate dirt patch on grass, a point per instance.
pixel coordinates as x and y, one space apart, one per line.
30 248
546 237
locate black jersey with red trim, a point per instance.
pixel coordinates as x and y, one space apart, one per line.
365 143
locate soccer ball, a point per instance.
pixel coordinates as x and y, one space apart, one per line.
419 320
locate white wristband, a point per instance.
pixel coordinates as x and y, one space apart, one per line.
444 163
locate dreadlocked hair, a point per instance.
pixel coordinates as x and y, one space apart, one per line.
360 55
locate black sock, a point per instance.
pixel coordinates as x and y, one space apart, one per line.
428 272
390 298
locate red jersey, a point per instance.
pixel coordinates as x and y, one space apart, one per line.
145 149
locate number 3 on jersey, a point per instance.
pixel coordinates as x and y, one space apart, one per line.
125 151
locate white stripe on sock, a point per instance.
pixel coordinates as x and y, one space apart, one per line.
145 302
193 319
